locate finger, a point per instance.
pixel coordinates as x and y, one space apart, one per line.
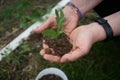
53 52
47 24
51 58
45 46
74 47
54 27
72 56
65 23
69 27
42 52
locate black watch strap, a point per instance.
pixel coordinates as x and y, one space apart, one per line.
106 26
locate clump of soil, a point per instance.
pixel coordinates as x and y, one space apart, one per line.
60 45
51 77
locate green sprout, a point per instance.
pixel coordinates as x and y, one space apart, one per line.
59 20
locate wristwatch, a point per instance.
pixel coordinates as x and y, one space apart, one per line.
104 23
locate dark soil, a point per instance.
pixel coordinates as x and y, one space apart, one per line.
51 77
35 39
60 45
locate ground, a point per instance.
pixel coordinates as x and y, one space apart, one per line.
101 63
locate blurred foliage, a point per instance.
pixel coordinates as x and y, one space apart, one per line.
22 13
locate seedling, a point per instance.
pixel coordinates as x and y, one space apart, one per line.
59 20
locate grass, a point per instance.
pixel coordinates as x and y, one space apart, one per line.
102 62
22 14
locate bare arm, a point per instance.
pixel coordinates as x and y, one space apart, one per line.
86 5
113 20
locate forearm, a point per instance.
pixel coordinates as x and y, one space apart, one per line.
114 21
98 31
86 5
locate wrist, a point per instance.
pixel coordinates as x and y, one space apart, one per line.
75 9
69 11
97 32
104 23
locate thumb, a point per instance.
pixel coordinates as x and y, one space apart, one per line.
44 26
73 55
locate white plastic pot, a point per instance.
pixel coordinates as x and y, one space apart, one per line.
52 70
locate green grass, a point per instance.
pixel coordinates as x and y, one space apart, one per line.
22 13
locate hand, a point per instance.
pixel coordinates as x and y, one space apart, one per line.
69 24
82 39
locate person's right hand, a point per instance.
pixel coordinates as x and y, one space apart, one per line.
71 19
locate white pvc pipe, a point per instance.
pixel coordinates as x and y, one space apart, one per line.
18 40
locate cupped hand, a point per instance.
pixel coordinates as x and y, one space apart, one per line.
50 57
71 19
81 38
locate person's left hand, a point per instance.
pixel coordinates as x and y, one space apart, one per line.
71 19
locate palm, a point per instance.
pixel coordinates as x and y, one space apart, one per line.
81 41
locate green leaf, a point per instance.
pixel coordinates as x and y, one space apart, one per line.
57 13
61 13
60 32
50 32
59 19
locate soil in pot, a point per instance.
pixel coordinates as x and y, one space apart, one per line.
51 77
60 45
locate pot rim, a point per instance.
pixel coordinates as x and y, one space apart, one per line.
52 70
